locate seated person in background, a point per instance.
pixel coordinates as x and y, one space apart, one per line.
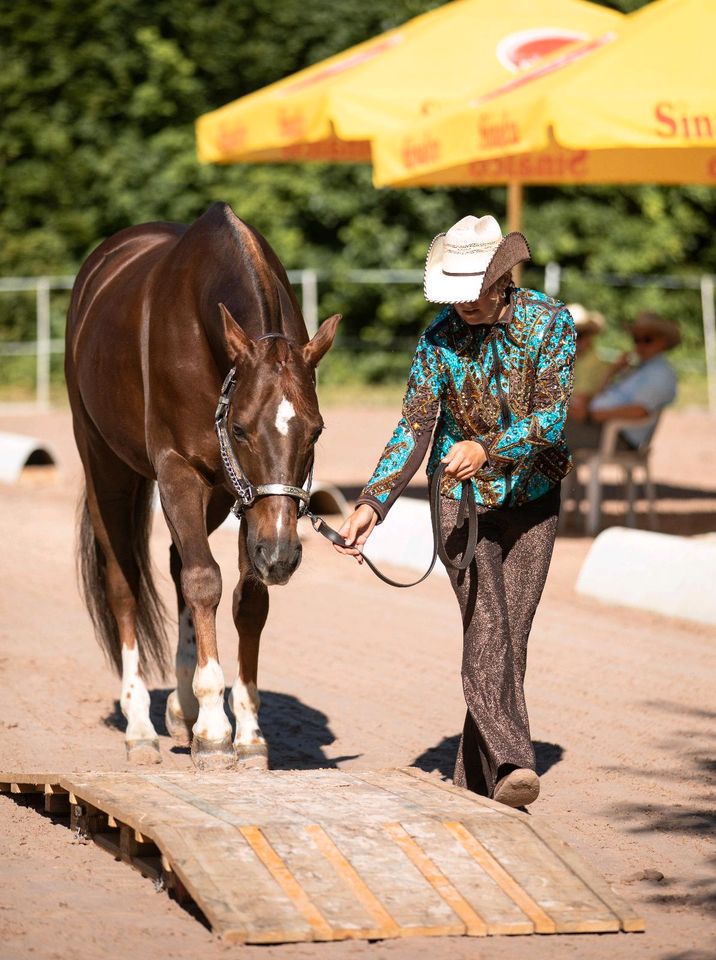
590 371
631 393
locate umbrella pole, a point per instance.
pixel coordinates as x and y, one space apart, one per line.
514 218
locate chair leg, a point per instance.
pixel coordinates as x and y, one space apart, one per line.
630 496
650 491
594 499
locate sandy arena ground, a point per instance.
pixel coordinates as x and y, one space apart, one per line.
357 676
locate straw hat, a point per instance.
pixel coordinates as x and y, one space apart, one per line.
469 258
586 321
653 323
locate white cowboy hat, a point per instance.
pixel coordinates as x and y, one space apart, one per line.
469 258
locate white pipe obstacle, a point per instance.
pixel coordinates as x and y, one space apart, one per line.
18 453
658 572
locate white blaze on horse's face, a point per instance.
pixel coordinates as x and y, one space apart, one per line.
284 414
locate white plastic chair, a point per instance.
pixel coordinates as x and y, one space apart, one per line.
609 455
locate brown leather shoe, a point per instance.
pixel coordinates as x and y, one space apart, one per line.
518 788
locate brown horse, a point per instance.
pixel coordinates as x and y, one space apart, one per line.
159 314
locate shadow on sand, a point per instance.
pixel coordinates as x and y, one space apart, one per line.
441 758
693 747
296 733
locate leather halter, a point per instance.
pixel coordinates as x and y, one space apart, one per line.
246 492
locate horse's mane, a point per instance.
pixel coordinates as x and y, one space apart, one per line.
229 234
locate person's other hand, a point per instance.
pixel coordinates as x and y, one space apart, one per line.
356 530
464 459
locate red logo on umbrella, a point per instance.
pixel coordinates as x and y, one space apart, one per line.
522 50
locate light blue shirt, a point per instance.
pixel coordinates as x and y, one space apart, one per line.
651 385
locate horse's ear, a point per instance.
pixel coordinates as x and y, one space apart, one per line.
238 344
316 348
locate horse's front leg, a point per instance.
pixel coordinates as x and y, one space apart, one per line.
251 604
184 500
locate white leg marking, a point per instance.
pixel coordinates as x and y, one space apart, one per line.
284 413
212 723
245 701
134 699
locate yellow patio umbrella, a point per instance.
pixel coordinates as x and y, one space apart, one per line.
640 109
332 111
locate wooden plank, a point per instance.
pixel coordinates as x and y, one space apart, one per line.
287 881
544 877
329 890
239 896
109 842
531 863
415 797
383 922
475 926
542 922
498 911
629 919
319 855
36 778
398 894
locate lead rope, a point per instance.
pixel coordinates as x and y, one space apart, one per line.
468 510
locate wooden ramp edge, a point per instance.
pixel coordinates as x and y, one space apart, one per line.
289 856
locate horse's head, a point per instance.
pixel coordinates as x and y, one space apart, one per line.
274 423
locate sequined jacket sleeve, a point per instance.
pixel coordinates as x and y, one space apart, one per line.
525 444
408 445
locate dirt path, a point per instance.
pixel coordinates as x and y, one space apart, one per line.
621 705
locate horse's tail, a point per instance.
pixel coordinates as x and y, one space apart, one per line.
92 566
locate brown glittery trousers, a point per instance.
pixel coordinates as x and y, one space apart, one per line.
498 596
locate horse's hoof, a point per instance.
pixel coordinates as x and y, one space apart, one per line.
143 752
178 727
251 756
208 755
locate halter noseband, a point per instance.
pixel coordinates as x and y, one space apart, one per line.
246 492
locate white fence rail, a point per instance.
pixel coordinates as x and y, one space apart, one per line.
307 280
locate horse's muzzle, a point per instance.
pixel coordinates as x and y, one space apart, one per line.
275 561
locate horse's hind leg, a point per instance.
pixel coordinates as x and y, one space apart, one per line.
182 706
119 507
251 604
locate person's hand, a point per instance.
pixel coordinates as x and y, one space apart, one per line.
356 530
464 459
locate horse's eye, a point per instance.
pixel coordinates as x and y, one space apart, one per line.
238 432
316 434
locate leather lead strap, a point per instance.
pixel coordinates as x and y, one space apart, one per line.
467 509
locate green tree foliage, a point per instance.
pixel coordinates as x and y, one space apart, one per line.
99 100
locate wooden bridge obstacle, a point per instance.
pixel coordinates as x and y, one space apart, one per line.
310 855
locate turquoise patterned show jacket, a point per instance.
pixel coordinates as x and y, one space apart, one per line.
507 386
